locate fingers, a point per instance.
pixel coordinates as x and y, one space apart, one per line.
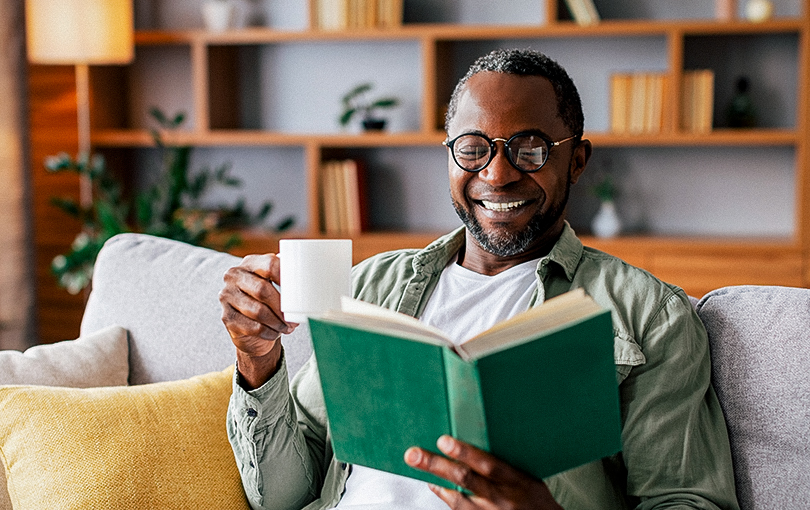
494 483
455 472
251 308
480 461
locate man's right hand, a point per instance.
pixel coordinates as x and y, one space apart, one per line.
251 311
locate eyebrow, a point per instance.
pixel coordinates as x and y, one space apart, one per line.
540 132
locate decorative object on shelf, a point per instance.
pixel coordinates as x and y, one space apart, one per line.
741 112
757 11
355 102
725 10
80 33
583 11
606 223
169 208
218 15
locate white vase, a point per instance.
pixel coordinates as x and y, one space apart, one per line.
606 223
218 15
758 11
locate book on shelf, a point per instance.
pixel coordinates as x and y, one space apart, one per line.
583 11
697 101
357 14
538 390
637 102
343 198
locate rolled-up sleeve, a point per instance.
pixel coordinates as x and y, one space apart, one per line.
271 450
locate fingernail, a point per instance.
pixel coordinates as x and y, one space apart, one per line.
445 444
412 456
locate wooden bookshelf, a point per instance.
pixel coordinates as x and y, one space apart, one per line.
697 263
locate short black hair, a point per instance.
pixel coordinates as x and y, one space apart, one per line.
527 62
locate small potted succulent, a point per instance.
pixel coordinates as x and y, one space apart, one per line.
356 102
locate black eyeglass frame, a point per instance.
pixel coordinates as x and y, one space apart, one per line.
493 148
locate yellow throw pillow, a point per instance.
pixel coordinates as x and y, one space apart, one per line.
152 446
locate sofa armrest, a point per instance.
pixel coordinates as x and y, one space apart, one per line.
166 294
760 351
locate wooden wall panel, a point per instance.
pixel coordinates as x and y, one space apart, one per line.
52 116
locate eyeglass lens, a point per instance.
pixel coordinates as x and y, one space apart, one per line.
472 152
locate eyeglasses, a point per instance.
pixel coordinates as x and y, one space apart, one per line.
527 151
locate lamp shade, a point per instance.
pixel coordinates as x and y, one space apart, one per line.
79 31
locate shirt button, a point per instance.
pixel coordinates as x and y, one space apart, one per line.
252 412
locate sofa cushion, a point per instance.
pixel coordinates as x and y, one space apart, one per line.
166 293
99 359
160 445
760 350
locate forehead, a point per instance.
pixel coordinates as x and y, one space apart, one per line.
501 104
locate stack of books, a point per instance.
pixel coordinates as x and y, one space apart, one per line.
637 102
583 11
343 201
697 101
357 14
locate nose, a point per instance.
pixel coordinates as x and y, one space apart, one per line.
500 172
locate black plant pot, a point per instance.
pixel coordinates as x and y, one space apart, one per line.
373 124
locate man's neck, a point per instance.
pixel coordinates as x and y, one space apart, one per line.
475 258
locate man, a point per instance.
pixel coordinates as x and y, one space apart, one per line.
514 139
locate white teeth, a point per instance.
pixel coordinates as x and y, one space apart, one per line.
502 206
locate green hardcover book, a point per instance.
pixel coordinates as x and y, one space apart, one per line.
538 390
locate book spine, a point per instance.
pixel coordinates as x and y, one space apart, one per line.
467 417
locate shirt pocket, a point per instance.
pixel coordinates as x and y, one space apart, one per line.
626 355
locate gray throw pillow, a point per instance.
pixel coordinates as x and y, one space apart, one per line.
98 359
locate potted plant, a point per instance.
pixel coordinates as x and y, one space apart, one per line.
169 208
356 102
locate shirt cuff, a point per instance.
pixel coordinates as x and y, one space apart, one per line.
266 402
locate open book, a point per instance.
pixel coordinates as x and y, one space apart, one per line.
538 390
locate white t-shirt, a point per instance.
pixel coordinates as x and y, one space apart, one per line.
463 304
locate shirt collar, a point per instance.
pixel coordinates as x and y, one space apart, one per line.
567 252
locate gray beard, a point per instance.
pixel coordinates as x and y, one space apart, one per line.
505 243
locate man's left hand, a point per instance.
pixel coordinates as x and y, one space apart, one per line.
494 484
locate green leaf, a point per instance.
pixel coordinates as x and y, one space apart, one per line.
68 205
285 224
386 102
347 116
356 91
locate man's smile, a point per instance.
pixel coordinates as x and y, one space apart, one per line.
502 206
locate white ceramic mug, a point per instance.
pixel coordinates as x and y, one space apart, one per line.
315 273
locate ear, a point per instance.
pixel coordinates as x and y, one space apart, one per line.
580 157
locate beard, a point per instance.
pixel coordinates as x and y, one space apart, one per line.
507 243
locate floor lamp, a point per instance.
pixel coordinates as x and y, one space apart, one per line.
80 33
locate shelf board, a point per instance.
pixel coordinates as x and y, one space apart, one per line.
236 137
717 137
375 241
446 31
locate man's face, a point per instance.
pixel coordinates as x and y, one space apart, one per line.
509 212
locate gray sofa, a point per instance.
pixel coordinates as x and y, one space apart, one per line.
165 294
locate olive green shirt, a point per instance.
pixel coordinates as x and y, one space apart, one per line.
676 452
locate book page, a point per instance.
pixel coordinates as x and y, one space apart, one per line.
533 323
357 313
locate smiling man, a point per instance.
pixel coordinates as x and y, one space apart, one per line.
515 147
